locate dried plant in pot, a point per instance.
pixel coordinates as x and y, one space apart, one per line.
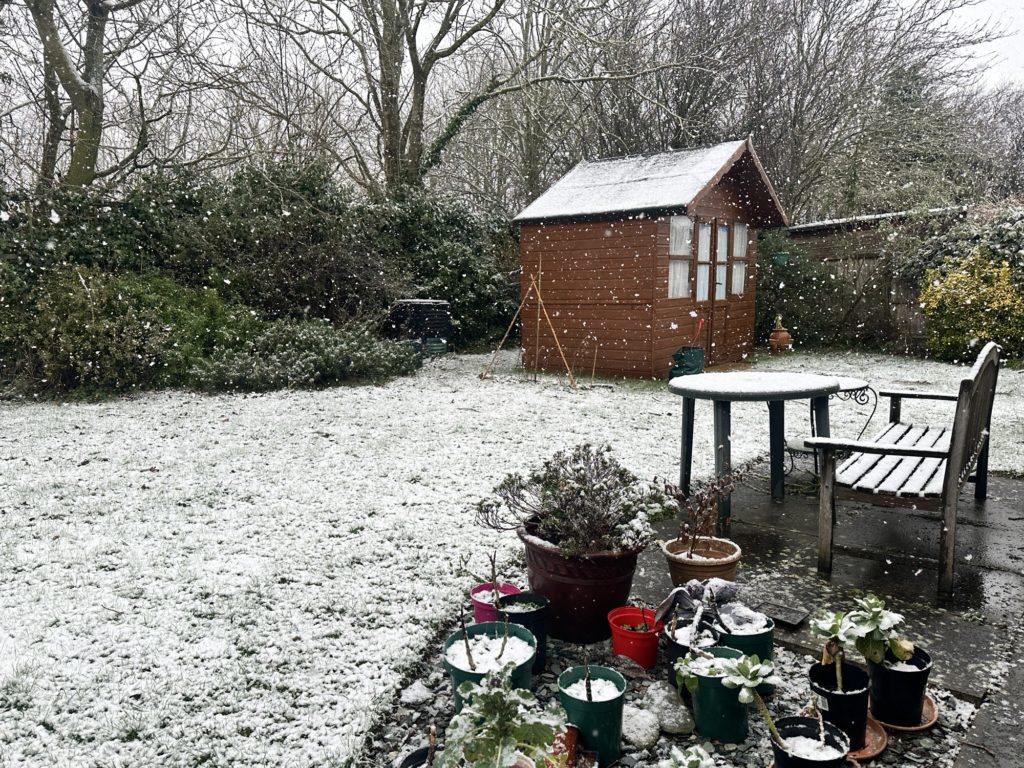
583 519
696 553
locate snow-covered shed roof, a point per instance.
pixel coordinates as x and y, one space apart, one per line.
666 180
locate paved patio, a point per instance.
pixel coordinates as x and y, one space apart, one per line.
892 553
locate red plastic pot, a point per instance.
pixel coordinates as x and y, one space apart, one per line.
642 646
483 609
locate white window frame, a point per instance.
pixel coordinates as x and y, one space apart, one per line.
680 256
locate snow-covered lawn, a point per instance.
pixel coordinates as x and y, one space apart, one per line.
241 580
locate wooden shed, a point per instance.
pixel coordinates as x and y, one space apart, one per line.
631 253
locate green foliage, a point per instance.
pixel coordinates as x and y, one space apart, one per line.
874 629
999 231
78 328
583 501
499 723
692 757
815 303
299 354
970 301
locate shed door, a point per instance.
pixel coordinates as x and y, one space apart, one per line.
712 288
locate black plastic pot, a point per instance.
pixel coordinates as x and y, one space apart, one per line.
675 651
418 758
848 708
897 698
535 621
809 727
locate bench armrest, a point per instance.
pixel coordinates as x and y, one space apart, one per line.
908 393
860 446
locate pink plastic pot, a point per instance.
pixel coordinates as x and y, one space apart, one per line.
642 646
483 608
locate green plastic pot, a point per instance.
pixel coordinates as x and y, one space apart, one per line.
761 645
717 711
599 722
522 677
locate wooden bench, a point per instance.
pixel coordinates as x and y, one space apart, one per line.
910 465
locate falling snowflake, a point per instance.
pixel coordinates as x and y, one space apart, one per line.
54 217
5 216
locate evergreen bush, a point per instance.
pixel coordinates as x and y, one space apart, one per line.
298 354
970 301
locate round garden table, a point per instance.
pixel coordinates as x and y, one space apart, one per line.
723 389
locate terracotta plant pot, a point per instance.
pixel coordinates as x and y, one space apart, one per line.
640 646
780 340
722 555
481 596
582 590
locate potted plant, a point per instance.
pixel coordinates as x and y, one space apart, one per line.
471 652
583 519
840 687
635 634
502 726
531 611
692 757
486 595
696 553
717 713
779 340
682 635
897 669
797 742
593 698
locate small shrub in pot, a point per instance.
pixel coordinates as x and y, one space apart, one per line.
841 687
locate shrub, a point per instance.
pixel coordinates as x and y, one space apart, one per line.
814 303
970 301
77 328
301 355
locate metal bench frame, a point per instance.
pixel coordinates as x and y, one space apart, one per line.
949 465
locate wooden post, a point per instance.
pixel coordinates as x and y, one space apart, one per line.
826 510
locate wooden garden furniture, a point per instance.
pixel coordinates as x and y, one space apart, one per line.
914 466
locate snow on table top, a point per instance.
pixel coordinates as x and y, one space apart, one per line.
189 576
753 385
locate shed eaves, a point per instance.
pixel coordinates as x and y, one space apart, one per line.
664 180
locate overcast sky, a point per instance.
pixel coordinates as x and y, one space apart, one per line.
1005 57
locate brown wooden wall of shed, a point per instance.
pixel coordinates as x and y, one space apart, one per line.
596 279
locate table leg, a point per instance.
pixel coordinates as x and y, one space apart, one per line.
723 461
686 459
820 406
777 446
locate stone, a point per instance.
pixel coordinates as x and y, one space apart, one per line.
417 693
640 727
673 716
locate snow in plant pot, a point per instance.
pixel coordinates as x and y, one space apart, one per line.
486 595
679 638
692 757
897 669
696 553
471 652
502 726
530 610
840 688
583 519
635 634
593 698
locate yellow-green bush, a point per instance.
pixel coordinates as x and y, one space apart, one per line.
969 301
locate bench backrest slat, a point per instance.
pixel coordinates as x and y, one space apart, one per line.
973 417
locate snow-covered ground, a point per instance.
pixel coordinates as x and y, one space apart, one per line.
241 580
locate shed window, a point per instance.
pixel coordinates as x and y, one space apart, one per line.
680 249
739 259
721 261
703 261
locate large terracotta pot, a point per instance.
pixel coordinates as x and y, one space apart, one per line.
780 340
719 557
582 590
